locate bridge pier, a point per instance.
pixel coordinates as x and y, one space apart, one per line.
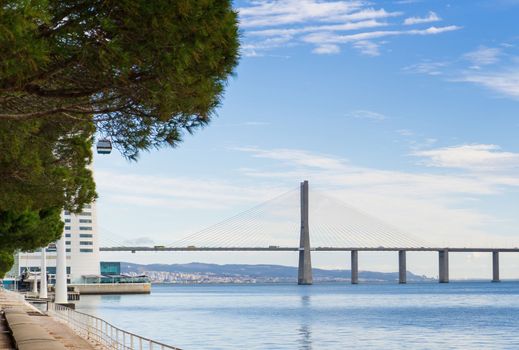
495 266
305 262
354 267
443 256
402 270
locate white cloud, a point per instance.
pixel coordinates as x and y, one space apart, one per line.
405 132
367 48
479 157
483 69
331 28
322 24
297 157
286 12
504 82
427 67
365 114
483 56
410 200
320 38
432 17
255 49
175 192
327 49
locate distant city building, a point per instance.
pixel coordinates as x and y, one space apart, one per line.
82 246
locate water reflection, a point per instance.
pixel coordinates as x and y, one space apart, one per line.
305 331
111 298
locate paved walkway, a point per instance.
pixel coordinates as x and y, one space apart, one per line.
26 321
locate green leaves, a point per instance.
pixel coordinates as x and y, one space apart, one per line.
27 230
141 73
135 65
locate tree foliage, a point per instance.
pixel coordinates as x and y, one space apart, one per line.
43 169
139 72
146 70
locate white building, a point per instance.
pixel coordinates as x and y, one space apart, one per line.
82 244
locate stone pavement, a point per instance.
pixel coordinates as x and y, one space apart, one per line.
33 330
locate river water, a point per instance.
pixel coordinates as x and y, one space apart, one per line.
323 316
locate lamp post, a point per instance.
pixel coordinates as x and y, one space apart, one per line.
43 274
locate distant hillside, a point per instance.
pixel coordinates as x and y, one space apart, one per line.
262 273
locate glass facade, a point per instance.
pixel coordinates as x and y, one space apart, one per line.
109 268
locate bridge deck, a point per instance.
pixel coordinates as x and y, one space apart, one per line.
293 249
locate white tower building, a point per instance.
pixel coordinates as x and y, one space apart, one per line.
82 246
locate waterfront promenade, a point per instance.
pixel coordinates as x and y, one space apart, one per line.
33 330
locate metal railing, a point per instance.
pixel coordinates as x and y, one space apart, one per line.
101 332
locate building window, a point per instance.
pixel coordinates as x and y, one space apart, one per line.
66 212
86 250
67 235
85 243
53 249
67 220
86 235
87 206
85 228
67 227
67 250
85 213
85 221
67 242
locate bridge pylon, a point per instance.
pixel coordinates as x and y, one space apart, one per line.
305 261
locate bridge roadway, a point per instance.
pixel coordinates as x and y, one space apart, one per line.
306 271
318 249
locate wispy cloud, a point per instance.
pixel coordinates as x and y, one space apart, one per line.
495 68
426 67
287 12
319 38
269 24
405 132
412 200
367 48
365 114
327 49
483 56
505 82
432 17
298 157
176 192
329 28
477 157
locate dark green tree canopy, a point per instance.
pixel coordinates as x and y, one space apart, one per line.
43 164
43 169
139 72
147 71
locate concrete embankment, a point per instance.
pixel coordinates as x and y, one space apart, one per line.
116 288
30 329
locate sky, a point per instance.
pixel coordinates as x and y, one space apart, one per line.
407 110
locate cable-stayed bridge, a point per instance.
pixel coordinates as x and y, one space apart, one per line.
302 222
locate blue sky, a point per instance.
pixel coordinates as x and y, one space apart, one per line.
408 110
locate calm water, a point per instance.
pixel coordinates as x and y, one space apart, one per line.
330 316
